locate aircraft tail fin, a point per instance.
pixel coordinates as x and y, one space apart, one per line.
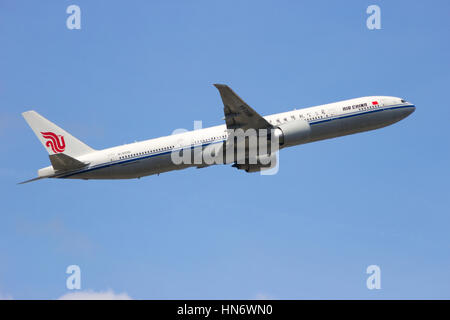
55 139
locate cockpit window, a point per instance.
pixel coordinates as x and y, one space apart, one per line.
403 101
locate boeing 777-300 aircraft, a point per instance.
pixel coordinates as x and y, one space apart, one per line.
70 158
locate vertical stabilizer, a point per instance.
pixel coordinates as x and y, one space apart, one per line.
53 138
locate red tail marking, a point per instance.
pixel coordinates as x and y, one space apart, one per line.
56 142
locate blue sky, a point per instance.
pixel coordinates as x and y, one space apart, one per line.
140 69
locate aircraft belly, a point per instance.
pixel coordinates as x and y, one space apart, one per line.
132 169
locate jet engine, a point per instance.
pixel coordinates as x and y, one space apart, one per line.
293 132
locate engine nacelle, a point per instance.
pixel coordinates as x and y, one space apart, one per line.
293 132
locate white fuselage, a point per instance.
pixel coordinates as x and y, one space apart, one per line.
153 156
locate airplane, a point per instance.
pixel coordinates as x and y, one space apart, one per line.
72 159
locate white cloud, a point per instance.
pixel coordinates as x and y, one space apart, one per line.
5 297
262 296
92 295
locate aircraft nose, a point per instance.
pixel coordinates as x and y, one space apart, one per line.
410 109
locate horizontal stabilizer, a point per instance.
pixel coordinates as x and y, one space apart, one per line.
63 162
31 180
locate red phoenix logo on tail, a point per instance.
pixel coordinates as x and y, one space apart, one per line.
56 142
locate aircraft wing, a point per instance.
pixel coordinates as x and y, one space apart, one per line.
238 114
